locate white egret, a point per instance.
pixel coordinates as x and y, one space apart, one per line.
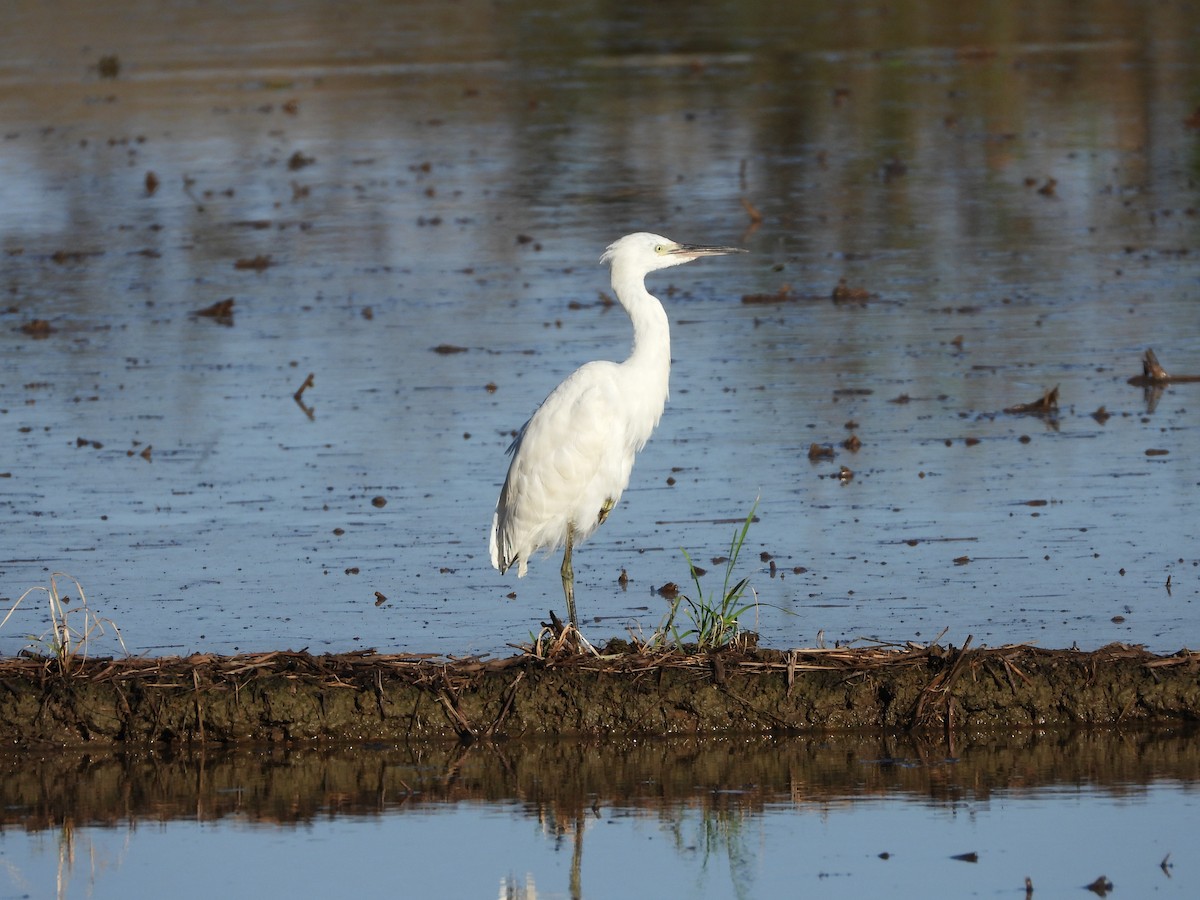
571 461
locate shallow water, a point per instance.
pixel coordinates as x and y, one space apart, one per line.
432 176
847 816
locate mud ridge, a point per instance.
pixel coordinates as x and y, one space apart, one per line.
287 696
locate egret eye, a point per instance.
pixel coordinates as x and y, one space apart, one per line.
660 249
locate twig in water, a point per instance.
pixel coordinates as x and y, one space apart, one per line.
308 410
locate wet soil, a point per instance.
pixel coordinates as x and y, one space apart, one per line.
294 696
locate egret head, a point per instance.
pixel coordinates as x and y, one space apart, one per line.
649 252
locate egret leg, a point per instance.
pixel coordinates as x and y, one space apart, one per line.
568 577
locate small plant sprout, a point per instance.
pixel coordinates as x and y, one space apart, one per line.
72 628
715 618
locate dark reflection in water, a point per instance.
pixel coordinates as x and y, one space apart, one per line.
561 781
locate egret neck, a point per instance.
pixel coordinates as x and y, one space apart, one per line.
649 364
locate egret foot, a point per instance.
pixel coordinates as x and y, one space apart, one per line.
560 639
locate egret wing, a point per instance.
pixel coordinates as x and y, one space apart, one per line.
567 461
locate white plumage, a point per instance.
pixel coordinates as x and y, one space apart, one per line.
571 461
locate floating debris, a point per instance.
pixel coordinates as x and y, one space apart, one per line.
1154 375
785 294
308 410
257 263
1046 405
1154 379
62 257
843 293
109 66
221 311
38 329
298 161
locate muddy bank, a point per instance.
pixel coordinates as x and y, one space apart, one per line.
291 696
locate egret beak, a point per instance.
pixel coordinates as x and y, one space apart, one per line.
693 251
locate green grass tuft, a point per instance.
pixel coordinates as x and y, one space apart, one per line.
715 619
